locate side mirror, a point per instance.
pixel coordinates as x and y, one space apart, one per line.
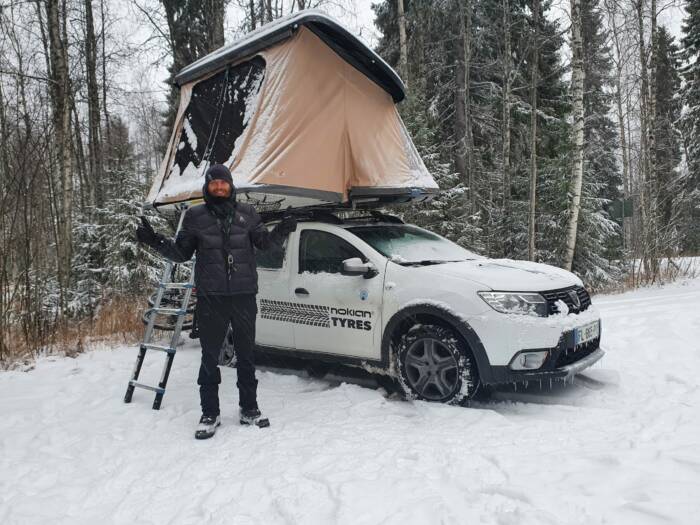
355 266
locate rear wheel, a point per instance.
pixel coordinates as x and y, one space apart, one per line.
435 365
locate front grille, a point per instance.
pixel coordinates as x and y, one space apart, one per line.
564 295
570 355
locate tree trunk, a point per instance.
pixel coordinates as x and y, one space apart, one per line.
251 13
403 46
95 159
87 191
644 200
462 122
653 180
213 13
469 137
624 149
105 108
534 80
62 130
505 117
577 78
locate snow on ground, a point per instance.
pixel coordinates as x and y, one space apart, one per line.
72 452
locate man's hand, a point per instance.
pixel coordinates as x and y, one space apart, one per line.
145 233
286 226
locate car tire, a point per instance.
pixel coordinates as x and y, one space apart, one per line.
434 364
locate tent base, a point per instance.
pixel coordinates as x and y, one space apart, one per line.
270 199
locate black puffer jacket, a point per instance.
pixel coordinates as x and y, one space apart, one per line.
202 232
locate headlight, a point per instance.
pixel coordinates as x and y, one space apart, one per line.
516 303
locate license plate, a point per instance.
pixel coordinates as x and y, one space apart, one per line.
586 333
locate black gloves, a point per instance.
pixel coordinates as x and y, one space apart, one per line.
286 226
145 233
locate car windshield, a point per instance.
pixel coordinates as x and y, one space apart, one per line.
406 244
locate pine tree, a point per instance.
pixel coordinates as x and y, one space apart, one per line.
435 30
107 259
690 229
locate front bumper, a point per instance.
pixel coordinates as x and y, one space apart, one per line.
563 362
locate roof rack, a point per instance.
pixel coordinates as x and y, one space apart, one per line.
329 214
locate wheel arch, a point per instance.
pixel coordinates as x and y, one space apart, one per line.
435 314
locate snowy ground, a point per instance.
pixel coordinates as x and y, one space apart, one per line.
72 452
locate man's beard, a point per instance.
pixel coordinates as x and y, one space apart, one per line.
221 206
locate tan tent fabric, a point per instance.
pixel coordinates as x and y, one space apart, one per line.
321 126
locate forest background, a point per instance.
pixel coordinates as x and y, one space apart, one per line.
561 132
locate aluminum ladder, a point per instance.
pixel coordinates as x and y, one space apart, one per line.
147 343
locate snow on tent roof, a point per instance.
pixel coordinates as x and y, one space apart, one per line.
294 110
347 45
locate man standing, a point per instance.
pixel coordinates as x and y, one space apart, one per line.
223 233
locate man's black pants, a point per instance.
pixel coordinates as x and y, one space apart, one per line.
214 312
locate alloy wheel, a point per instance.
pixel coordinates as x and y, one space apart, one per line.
431 369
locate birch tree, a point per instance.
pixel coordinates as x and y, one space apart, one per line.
61 108
577 79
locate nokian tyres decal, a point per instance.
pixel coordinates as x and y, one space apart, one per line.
309 314
315 315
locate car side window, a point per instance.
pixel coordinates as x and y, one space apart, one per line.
321 251
273 257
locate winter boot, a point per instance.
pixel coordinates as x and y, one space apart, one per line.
253 417
207 427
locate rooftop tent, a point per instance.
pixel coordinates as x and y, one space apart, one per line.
302 113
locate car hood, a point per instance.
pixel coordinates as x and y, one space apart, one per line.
508 274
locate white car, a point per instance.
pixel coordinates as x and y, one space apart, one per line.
401 301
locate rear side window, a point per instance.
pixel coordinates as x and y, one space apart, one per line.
324 252
273 257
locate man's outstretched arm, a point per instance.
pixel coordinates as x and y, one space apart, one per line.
178 250
263 238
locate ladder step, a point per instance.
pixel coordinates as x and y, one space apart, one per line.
155 389
171 311
178 286
160 348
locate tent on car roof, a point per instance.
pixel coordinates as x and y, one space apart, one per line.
300 109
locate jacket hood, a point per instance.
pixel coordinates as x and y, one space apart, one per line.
220 172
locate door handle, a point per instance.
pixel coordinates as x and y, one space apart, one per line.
301 291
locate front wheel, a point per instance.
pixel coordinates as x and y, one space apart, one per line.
435 365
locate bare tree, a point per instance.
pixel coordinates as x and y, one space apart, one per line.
403 48
61 105
93 100
507 66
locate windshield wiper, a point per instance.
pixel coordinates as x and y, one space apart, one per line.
428 262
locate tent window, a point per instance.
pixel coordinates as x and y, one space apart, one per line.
217 115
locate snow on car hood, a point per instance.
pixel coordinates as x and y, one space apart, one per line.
508 274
